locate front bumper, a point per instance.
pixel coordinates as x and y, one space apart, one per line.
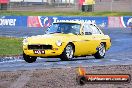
56 51
48 53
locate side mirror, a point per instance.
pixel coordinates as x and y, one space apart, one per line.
45 30
88 33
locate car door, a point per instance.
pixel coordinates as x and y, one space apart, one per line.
98 36
92 40
83 42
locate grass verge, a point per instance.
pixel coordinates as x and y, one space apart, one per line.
10 46
31 13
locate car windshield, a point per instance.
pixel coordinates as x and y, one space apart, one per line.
64 28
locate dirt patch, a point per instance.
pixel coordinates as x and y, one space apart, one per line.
60 78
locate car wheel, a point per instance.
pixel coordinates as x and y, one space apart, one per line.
29 59
101 52
68 53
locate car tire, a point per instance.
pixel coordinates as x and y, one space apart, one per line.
68 53
101 51
29 59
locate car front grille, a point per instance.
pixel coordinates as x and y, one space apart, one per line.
45 47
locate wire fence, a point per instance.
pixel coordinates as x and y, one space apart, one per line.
56 5
70 5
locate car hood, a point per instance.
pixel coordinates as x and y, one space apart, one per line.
50 38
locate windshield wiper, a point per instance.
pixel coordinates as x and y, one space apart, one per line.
54 32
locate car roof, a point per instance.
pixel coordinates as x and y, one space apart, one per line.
76 22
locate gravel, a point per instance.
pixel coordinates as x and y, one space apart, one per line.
60 78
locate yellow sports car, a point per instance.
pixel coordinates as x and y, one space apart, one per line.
67 40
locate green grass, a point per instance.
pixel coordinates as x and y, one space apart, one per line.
30 13
10 46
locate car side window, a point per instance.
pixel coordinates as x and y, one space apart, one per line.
87 30
95 29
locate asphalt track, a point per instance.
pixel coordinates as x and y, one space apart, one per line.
120 52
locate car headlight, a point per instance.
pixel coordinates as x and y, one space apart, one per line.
58 43
25 41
